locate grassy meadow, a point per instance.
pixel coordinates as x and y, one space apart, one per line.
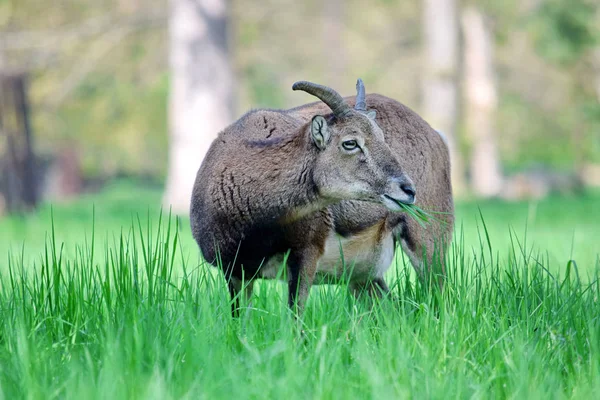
107 298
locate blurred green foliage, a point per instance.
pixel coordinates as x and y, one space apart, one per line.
565 30
116 112
566 33
124 125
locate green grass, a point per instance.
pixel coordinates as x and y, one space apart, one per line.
96 303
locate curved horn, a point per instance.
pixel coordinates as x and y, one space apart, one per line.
361 104
326 95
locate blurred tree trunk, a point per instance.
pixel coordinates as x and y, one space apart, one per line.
201 90
333 30
596 66
128 6
3 141
481 103
440 83
18 183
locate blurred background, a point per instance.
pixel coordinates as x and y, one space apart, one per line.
97 91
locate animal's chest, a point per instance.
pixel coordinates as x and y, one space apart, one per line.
357 257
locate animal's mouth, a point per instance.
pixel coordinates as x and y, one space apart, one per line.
400 193
395 203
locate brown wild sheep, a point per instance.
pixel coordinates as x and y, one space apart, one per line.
299 185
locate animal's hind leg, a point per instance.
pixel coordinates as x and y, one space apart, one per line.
237 289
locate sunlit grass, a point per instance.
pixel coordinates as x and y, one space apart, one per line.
126 309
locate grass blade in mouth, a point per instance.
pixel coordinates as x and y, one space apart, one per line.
418 214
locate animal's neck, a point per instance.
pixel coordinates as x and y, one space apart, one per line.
297 196
305 198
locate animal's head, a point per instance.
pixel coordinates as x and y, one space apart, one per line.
353 160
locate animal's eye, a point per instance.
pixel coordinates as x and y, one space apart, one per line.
349 145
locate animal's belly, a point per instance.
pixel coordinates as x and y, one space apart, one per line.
359 257
356 258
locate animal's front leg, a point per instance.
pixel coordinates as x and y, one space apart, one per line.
302 266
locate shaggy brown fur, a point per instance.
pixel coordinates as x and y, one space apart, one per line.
424 157
279 183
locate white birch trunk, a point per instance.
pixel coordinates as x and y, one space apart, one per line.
201 90
440 83
481 104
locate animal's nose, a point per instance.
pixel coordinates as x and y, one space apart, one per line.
409 190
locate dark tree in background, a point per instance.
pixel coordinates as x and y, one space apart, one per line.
18 190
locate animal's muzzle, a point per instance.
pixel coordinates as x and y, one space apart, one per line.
399 190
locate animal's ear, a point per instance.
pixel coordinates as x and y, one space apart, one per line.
372 114
319 132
